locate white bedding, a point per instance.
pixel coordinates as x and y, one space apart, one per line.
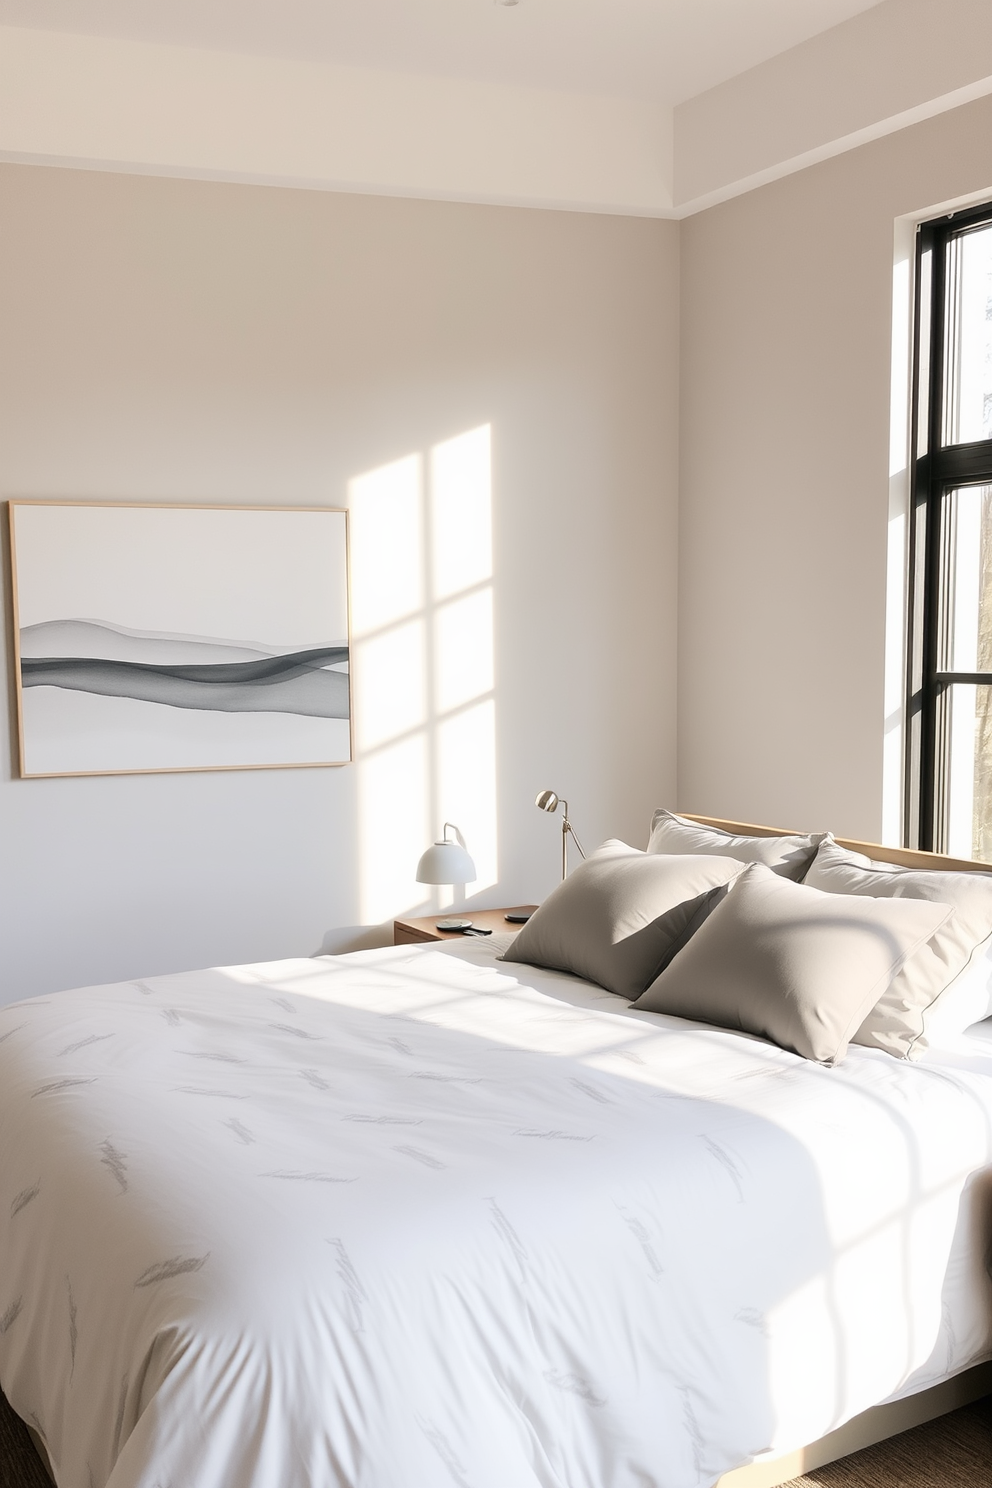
413 1219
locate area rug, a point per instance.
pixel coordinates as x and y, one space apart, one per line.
20 1465
954 1451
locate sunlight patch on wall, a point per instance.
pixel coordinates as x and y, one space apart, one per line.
463 650
466 774
394 826
422 634
392 695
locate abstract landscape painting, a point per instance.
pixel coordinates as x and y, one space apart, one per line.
159 638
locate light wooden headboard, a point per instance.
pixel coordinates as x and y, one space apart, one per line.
905 857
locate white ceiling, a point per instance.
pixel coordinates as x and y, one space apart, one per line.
663 50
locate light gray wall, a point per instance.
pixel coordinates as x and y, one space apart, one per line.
168 340
786 350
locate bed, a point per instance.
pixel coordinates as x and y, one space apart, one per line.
418 1216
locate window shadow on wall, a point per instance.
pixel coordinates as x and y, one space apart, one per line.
422 649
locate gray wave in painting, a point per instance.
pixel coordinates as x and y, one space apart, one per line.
100 640
299 682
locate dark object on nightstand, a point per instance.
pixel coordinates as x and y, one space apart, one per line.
414 932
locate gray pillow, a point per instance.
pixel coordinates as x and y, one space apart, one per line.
621 914
899 1022
792 964
789 855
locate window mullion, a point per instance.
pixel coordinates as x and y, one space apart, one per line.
950 538
930 494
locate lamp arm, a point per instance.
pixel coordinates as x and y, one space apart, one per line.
549 800
566 826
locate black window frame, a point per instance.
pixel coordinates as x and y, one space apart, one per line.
935 470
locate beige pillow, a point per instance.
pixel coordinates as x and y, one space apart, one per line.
900 1020
620 915
788 855
792 964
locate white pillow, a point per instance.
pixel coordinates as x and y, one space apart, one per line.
788 855
965 1001
945 985
622 914
792 964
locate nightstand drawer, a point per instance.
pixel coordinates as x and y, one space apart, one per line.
406 934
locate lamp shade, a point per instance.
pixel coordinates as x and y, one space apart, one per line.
446 863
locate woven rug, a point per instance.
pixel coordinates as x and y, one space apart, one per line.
20 1465
954 1452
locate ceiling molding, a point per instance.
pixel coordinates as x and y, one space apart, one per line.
102 103
122 105
889 67
827 151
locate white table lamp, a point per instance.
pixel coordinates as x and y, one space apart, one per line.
446 862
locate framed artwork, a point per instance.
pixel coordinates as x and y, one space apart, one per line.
162 638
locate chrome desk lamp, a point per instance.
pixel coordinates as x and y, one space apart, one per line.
548 801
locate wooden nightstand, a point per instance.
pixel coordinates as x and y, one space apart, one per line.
410 932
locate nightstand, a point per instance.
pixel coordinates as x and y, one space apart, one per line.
410 932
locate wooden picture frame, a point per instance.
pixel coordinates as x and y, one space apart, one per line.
157 638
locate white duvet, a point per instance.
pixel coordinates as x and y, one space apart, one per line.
413 1219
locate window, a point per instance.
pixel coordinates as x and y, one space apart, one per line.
949 795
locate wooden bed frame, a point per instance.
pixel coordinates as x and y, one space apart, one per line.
882 1421
903 857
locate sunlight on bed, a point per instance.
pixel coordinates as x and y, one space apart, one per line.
424 690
